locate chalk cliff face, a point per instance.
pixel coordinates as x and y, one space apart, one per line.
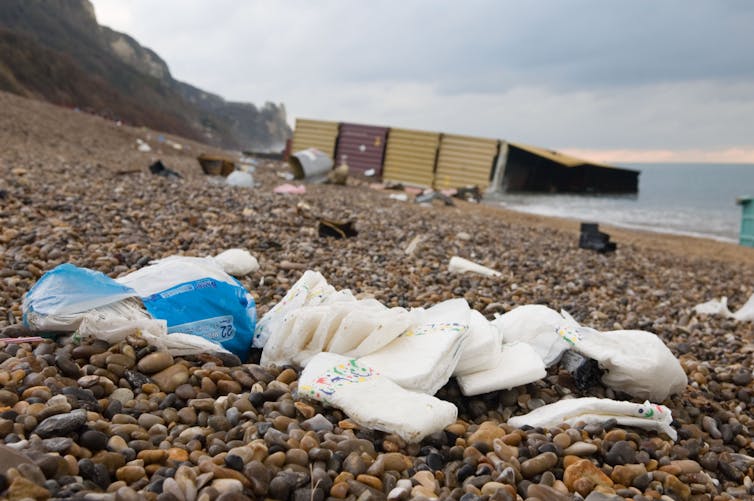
56 51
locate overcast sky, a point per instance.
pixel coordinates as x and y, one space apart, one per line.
614 80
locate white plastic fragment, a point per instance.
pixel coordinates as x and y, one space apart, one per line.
720 308
598 410
240 178
237 262
461 265
635 362
372 400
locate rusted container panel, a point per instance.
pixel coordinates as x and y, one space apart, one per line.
464 161
410 157
364 146
315 134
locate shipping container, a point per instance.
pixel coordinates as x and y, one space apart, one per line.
465 161
410 157
315 134
364 147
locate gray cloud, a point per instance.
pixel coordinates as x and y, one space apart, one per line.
582 73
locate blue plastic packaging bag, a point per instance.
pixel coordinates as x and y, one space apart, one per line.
195 296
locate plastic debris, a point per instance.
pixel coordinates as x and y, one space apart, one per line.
372 400
159 169
237 262
401 197
430 196
516 364
214 165
336 229
310 163
142 146
240 179
720 308
599 410
369 172
635 362
461 265
290 189
592 238
585 371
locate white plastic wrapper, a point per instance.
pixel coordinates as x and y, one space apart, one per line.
636 362
372 400
482 348
461 265
237 262
720 308
648 416
537 326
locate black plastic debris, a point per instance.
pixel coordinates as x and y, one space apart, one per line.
585 372
336 229
469 193
159 169
592 238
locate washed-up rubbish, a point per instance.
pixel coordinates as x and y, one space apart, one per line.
60 299
373 400
313 317
516 364
481 349
592 238
430 196
461 265
196 296
635 362
424 357
142 146
593 410
401 197
241 179
285 175
339 175
237 262
310 163
720 308
584 371
290 189
214 165
469 193
19 340
369 172
159 169
536 325
336 229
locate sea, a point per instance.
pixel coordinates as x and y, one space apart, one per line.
696 199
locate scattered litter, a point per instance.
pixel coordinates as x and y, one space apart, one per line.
214 165
196 296
285 175
339 175
414 244
584 371
536 325
237 262
592 410
469 193
411 190
174 145
336 229
430 196
19 340
635 362
461 265
372 400
159 169
369 172
592 238
720 308
290 189
516 364
310 163
401 197
143 146
240 179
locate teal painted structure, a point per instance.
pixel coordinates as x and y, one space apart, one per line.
746 236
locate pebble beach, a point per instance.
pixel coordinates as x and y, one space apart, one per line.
125 422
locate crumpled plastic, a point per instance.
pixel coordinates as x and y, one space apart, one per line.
598 410
720 308
635 362
536 325
516 364
372 400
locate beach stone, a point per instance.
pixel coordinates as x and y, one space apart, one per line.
61 424
356 445
487 432
317 423
227 485
538 464
155 362
395 461
600 496
171 378
22 489
580 449
625 474
585 470
673 485
130 474
545 492
622 452
123 395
